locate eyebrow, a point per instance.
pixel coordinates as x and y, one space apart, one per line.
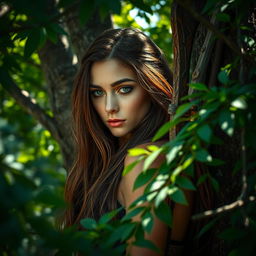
115 83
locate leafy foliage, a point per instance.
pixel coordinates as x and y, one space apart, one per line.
32 178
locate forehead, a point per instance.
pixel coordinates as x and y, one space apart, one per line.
108 71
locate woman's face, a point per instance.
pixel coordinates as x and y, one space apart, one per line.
117 97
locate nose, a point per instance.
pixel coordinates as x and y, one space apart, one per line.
111 104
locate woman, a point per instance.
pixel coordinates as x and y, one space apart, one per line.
120 99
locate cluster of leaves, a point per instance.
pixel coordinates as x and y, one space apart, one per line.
152 17
230 108
28 211
32 179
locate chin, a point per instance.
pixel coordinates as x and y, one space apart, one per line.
119 134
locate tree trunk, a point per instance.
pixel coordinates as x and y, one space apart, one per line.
82 36
57 61
198 58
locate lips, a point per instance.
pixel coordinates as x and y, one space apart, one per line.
116 122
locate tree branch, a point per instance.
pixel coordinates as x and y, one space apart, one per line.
33 109
223 209
198 75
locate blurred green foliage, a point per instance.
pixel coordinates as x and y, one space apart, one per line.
154 22
32 177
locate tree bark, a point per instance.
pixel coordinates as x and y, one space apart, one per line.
195 55
57 61
82 36
183 36
201 62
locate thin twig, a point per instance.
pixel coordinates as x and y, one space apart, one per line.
224 209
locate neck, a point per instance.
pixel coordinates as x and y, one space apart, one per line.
123 140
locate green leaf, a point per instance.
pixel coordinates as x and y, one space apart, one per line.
163 212
138 152
239 103
58 29
190 170
133 213
209 225
202 178
187 162
223 77
22 35
88 223
144 178
161 196
205 133
152 148
129 167
232 234
184 182
207 111
147 222
122 233
158 182
199 87
151 158
184 108
226 122
202 155
179 197
139 201
126 231
163 130
139 233
192 96
109 216
32 43
170 156
51 34
146 244
142 6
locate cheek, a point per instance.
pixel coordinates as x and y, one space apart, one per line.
139 105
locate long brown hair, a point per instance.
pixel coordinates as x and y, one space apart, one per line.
92 184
